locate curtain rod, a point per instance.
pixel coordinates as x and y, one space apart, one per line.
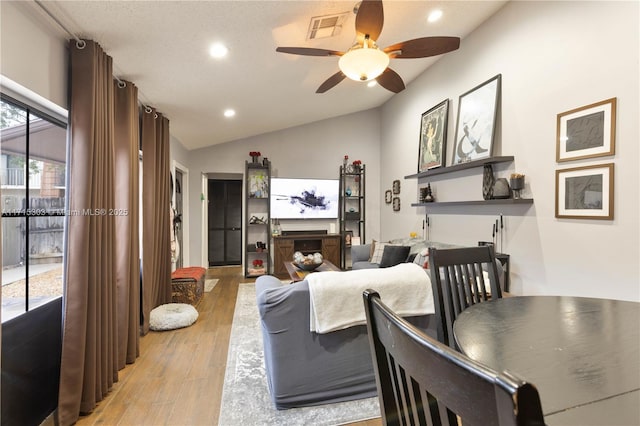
80 44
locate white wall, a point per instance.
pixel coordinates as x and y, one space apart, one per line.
311 151
553 57
33 53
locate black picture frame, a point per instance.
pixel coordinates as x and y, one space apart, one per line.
396 186
476 123
396 204
433 137
387 196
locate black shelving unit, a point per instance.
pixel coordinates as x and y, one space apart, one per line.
352 208
257 218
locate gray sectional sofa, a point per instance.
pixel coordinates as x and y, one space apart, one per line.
360 254
305 368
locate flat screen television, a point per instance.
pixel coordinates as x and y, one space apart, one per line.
304 198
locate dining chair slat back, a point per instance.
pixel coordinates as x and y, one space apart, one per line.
421 381
461 277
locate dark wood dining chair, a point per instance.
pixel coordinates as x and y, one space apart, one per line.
421 381
458 281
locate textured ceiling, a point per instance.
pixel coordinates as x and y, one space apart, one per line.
162 46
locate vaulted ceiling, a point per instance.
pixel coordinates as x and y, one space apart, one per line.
162 46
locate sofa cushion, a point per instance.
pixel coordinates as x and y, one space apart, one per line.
376 257
364 265
394 255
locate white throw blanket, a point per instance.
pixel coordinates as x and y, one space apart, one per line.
336 297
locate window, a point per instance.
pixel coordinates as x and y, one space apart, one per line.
33 177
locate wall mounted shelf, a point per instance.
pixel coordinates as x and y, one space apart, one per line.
475 202
465 166
462 166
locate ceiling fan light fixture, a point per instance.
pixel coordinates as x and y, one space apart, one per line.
363 63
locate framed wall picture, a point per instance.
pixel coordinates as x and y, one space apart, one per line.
477 116
387 196
587 132
585 192
396 186
348 238
396 204
433 137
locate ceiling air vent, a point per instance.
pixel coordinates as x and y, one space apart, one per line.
326 26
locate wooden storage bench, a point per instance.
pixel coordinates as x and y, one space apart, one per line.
187 285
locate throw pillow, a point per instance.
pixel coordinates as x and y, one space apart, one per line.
376 257
394 255
373 249
422 258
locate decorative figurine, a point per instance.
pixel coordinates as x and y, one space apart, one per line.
428 197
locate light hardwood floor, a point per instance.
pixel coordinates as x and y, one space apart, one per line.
178 378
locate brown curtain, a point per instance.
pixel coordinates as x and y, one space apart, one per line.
156 226
92 311
127 141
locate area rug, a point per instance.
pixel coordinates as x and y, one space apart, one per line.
209 284
245 395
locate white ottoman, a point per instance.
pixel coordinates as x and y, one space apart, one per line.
171 316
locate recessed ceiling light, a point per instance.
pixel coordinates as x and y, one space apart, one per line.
229 113
371 83
218 50
435 15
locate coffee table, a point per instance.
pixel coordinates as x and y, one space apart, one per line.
298 274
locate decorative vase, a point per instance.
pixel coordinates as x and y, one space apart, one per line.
487 182
500 189
265 161
517 184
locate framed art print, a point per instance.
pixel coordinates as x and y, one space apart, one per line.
477 116
587 132
396 204
433 137
348 238
585 192
396 186
387 196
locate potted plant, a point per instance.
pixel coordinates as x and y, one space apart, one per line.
516 181
255 155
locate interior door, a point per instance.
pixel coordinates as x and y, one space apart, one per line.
225 222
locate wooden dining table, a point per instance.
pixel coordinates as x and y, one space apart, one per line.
582 354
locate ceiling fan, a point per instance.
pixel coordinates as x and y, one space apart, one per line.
365 61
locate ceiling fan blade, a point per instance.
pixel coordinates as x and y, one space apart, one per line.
390 80
369 19
308 51
423 47
331 81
